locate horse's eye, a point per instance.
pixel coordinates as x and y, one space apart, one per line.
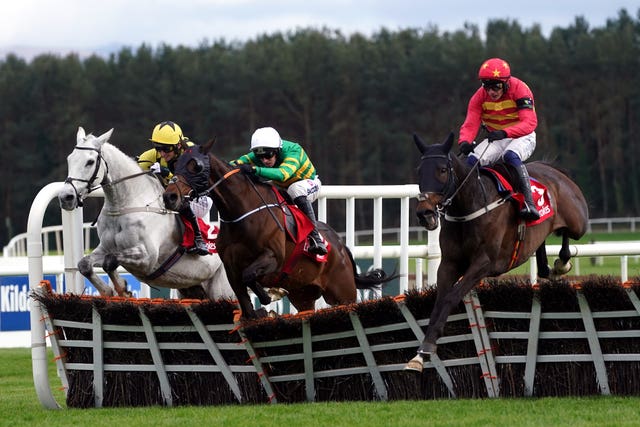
91 162
443 170
173 180
421 197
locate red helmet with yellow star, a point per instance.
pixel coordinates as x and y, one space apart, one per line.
494 69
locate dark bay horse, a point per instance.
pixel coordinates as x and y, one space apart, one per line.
253 243
481 234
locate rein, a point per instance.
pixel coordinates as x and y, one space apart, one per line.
451 190
224 177
106 182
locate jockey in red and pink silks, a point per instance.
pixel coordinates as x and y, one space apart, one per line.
504 106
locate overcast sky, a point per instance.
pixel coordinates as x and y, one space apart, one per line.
95 25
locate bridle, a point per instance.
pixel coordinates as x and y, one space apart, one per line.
449 188
105 180
193 194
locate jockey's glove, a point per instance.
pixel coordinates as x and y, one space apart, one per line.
247 169
496 135
466 147
159 170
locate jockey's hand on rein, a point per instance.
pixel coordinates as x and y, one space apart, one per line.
247 169
496 135
159 170
466 147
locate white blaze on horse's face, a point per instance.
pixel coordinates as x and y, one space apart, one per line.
86 169
427 209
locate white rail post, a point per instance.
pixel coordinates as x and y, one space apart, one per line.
377 238
624 268
34 255
73 244
433 256
404 244
350 224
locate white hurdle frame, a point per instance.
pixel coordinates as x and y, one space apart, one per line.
72 223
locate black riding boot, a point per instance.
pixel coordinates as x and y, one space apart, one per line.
528 211
316 245
199 247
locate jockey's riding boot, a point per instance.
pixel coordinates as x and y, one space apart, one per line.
199 247
528 211
316 245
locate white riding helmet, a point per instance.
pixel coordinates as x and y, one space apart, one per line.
265 138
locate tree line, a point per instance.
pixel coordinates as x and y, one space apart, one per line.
352 101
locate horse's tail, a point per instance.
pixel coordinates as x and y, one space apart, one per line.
373 279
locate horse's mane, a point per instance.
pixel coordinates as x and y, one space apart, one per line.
126 158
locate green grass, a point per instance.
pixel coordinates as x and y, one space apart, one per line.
19 406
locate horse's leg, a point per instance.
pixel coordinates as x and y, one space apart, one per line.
136 257
110 266
244 301
562 265
448 296
542 261
85 267
266 263
217 286
304 299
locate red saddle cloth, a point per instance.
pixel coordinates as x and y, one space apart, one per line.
538 191
298 227
209 234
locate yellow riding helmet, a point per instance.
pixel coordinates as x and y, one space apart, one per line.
166 133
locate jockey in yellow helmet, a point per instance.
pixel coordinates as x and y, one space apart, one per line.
168 144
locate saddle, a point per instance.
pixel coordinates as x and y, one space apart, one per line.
505 177
297 227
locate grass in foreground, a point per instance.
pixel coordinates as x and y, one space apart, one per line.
19 406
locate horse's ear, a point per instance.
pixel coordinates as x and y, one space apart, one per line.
204 149
419 143
105 136
81 135
448 143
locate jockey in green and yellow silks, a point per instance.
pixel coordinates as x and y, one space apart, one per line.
286 165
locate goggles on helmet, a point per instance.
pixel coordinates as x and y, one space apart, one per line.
163 147
493 84
264 153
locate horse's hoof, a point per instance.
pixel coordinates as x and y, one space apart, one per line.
277 294
416 364
272 314
560 269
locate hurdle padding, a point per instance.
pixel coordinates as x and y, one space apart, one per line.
506 339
